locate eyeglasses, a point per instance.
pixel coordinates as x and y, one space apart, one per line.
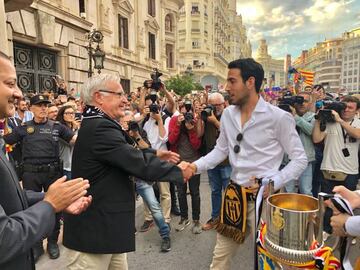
69 113
120 94
239 138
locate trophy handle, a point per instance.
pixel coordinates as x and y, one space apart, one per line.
271 187
321 197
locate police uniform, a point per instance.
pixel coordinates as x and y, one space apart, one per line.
41 164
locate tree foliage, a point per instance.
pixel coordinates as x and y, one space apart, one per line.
182 85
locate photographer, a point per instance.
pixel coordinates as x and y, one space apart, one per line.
340 160
156 84
156 125
185 141
304 119
220 175
145 189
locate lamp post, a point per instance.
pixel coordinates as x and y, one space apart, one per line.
95 54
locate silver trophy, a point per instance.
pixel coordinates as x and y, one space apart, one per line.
294 227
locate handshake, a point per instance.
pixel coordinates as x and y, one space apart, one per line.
188 170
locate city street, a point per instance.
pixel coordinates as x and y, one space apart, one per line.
189 251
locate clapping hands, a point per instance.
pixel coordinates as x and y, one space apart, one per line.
188 170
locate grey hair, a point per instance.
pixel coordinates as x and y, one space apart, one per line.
96 83
219 96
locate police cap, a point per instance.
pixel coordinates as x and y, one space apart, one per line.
39 99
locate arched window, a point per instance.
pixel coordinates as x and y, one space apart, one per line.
168 23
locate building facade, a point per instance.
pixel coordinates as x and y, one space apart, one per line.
274 70
325 59
50 37
350 75
211 35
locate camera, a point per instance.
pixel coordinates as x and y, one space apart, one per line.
189 117
288 101
325 115
133 126
207 112
155 82
154 108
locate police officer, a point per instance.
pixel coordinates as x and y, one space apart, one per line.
41 165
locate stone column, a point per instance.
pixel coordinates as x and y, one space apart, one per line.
3 30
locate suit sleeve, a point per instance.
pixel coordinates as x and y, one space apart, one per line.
20 231
33 197
112 148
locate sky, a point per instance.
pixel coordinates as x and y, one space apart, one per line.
290 26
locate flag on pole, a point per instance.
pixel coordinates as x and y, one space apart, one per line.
308 76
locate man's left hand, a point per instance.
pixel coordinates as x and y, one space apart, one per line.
212 118
168 156
337 223
156 117
79 206
336 116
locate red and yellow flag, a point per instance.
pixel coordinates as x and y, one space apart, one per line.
308 76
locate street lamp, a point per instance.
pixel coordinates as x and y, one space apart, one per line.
97 55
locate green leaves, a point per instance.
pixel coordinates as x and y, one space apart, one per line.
182 85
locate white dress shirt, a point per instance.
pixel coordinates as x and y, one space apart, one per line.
267 135
152 129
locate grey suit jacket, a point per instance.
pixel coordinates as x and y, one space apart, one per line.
21 226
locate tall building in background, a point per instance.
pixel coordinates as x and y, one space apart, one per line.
273 68
49 37
350 76
325 59
211 35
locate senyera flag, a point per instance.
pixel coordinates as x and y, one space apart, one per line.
308 76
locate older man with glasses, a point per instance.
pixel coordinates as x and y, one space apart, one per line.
254 135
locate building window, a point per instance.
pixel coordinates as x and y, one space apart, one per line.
82 6
151 7
195 9
350 80
196 63
125 85
355 56
123 32
350 72
196 44
345 73
344 81
152 52
170 56
168 23
355 79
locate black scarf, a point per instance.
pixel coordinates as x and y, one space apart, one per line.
91 111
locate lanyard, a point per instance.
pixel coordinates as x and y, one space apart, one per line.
343 132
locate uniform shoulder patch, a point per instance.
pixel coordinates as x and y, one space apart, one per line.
30 129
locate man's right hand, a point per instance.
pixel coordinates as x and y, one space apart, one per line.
63 193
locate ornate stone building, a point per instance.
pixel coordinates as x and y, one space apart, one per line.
50 37
211 35
273 69
325 59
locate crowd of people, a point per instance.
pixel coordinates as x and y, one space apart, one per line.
157 143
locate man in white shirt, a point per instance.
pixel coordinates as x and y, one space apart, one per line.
254 135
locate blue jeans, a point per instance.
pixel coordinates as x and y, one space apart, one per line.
146 191
305 181
218 178
327 186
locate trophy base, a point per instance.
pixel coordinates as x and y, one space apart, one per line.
289 256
